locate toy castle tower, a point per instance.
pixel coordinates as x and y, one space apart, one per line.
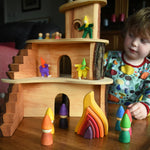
31 94
75 12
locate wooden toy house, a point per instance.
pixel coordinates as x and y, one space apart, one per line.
30 94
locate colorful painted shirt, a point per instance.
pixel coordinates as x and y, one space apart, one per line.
130 83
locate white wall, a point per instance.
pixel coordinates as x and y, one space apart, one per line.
49 8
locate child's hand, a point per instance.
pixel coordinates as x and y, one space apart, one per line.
138 110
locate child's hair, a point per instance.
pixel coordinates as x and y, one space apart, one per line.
139 23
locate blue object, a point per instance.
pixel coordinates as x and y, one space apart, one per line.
120 112
119 116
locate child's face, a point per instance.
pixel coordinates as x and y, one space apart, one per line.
136 47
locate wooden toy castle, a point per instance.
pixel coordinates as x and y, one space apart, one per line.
30 94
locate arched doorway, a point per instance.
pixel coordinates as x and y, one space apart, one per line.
65 66
59 100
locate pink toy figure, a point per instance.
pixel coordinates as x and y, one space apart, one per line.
113 18
122 17
44 68
56 35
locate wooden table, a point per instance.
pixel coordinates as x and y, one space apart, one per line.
28 135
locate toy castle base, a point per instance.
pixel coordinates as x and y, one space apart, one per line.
31 94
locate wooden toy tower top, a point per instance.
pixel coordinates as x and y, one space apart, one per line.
75 12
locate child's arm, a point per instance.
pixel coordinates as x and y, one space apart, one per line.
138 110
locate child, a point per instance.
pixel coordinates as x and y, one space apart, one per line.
130 69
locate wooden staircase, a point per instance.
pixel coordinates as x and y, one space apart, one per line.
14 112
24 66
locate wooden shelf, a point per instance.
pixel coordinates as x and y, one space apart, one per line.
80 3
67 41
104 81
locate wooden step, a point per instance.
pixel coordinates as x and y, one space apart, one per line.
13 97
1 120
14 67
27 60
13 107
23 52
13 116
21 67
26 52
15 88
2 109
10 107
23 74
9 117
10 74
9 128
19 59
